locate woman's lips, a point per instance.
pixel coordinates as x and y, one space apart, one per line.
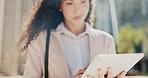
78 17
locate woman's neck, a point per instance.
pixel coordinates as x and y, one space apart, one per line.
75 28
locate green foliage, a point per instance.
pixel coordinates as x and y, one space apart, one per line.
129 38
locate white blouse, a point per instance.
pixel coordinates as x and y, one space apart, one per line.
76 48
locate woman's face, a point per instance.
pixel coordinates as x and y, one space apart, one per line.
75 11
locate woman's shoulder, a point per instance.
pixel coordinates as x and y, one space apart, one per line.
100 33
43 34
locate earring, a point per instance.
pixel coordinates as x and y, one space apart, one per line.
60 10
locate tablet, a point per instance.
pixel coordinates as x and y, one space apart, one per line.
118 63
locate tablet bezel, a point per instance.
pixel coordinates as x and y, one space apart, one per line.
118 63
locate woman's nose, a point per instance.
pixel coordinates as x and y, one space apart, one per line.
77 8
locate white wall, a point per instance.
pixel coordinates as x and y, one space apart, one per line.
9 38
2 2
11 13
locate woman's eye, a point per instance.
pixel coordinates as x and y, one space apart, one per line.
83 1
68 3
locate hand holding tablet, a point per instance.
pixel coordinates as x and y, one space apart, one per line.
117 62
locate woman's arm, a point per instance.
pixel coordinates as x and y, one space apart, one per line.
33 68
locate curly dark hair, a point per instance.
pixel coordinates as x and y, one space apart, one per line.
45 14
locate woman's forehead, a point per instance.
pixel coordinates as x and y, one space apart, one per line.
70 0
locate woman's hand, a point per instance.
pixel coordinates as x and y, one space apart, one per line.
109 74
80 73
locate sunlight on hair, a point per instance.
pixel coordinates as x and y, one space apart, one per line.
92 16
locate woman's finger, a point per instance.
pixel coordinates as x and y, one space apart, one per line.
81 71
78 76
109 72
88 76
122 74
100 73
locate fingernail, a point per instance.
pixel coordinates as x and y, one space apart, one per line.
123 71
80 69
109 67
85 68
99 69
88 76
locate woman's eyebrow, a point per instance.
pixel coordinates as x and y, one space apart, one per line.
68 0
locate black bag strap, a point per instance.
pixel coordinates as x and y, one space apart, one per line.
46 53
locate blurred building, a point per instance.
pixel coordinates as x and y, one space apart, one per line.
134 12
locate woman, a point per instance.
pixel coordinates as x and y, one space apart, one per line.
73 43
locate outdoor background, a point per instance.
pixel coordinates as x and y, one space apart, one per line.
126 20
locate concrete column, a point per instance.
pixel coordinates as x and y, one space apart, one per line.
2 4
114 21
